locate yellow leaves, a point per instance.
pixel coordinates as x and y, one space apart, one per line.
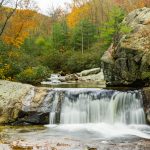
3 71
27 75
19 27
29 71
13 54
15 41
77 14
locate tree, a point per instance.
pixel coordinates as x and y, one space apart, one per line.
59 36
84 35
23 21
17 27
9 13
56 14
97 11
77 14
111 29
130 5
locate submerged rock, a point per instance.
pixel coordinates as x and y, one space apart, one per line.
129 62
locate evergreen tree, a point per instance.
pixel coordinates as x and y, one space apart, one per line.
83 35
59 36
112 29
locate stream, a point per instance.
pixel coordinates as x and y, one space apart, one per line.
85 119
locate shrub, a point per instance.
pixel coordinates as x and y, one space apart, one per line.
78 62
145 75
33 75
4 70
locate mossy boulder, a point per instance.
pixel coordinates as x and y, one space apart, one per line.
128 63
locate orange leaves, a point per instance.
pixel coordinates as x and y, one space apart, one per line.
77 14
19 27
11 40
130 5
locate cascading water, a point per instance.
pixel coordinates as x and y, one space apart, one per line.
98 113
96 106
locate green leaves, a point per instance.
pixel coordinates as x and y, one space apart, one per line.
125 29
113 28
84 35
59 35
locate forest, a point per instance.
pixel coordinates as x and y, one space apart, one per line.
33 45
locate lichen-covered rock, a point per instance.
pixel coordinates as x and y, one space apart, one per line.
23 102
129 62
11 97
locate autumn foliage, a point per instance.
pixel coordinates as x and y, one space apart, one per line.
77 14
130 5
32 45
19 27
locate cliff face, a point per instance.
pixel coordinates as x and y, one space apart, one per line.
129 62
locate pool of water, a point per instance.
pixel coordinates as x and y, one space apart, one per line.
74 136
77 85
89 85
82 132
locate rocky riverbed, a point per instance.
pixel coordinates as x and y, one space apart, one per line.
40 138
91 76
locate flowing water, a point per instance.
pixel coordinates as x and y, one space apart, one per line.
99 114
86 117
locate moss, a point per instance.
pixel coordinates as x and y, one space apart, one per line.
146 75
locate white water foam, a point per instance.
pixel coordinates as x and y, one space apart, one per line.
104 114
103 130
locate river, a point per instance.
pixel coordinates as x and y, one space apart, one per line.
90 118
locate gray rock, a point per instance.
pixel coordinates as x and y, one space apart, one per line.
129 62
146 102
17 97
11 97
90 72
71 77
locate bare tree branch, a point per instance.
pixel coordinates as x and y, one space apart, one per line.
8 17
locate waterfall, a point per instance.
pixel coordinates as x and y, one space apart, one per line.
79 106
52 115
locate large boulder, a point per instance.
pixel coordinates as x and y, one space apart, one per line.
129 62
23 103
11 97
